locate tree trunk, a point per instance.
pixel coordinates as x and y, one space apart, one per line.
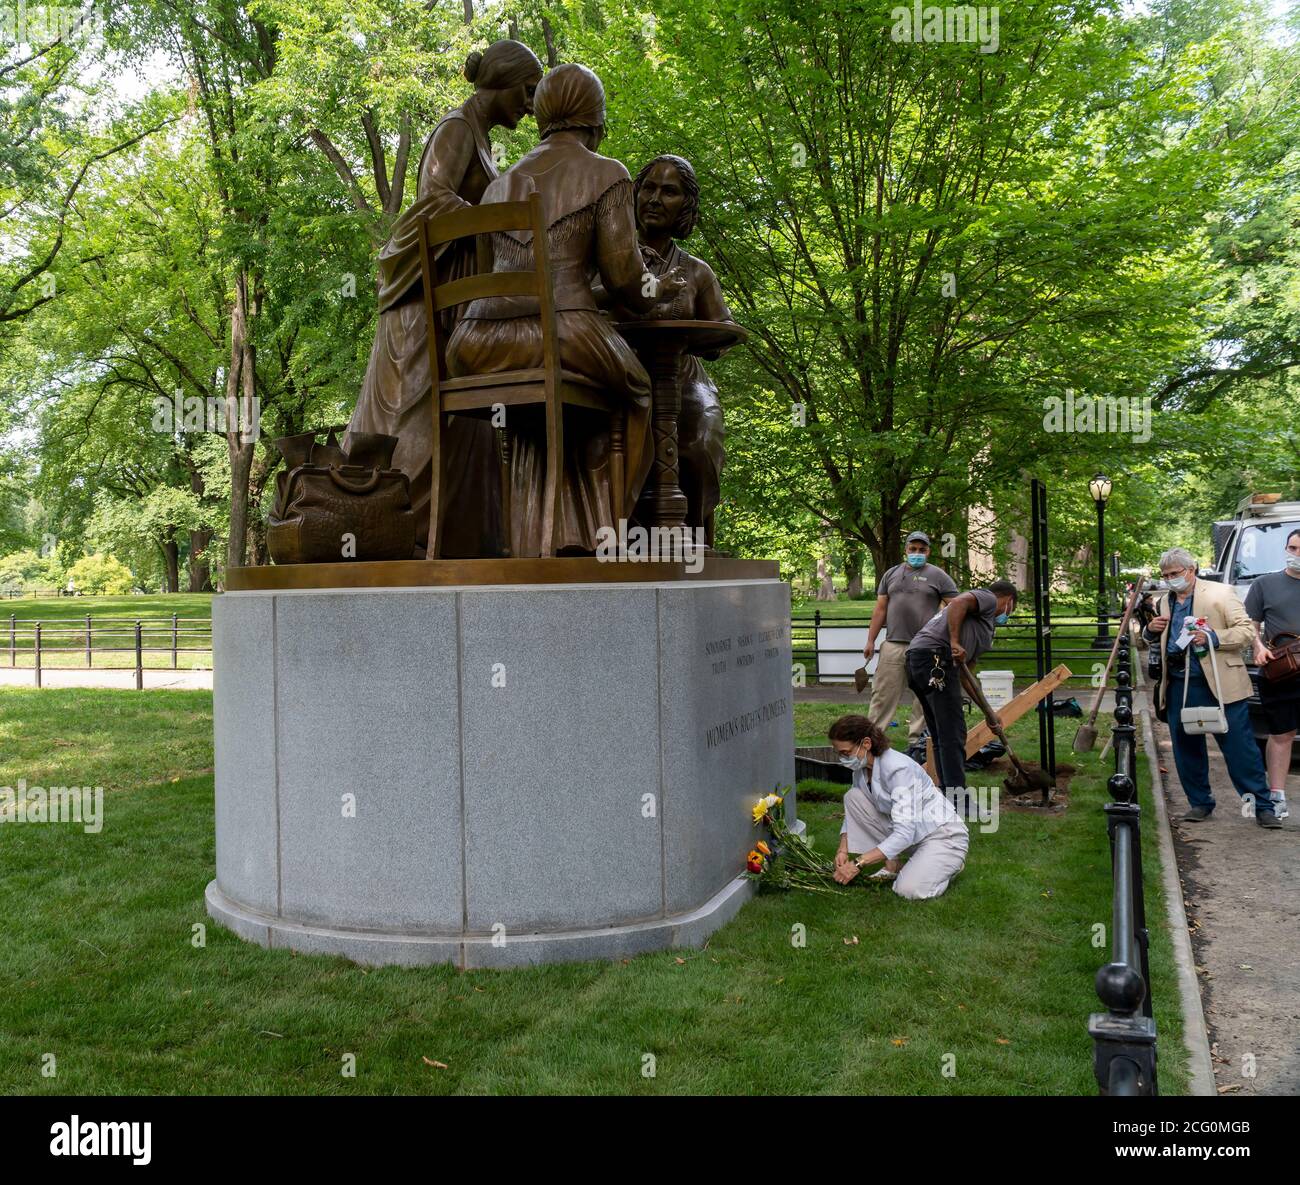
825 584
890 551
171 557
200 570
241 393
262 470
853 557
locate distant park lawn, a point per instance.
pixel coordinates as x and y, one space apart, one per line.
112 630
993 981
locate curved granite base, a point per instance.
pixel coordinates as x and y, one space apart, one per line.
382 948
495 776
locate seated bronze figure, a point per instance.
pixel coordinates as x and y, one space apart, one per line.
667 209
588 204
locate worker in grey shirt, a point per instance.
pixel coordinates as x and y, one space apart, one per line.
908 595
960 632
1274 602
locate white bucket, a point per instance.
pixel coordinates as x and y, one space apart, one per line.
998 687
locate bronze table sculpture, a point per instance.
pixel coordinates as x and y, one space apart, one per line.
664 345
455 170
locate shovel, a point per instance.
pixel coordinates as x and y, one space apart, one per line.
1086 737
1023 779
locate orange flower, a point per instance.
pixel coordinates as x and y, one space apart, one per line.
762 847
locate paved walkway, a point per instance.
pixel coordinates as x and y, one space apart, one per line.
72 677
1242 889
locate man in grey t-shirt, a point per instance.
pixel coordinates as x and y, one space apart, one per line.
908 595
1274 602
960 632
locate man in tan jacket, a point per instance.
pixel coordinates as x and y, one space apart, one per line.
1198 617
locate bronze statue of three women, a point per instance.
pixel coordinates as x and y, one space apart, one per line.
612 248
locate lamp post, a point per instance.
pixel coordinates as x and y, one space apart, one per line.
1099 487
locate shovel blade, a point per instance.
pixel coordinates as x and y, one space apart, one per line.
1084 739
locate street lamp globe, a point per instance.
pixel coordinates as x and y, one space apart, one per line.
1099 488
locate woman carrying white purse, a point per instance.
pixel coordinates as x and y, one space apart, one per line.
1205 688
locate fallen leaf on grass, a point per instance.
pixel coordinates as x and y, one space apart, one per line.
268 1033
1002 1040
851 941
680 962
435 1065
899 1042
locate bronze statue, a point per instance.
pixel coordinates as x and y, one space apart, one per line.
667 209
455 170
588 204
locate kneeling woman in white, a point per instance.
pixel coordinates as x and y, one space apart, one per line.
893 809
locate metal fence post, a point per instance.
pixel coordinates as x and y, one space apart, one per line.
37 652
139 659
1124 1037
88 662
13 640
173 641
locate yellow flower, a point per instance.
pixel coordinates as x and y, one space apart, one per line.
760 810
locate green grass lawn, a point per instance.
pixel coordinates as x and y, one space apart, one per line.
97 966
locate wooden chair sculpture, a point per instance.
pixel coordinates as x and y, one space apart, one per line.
547 386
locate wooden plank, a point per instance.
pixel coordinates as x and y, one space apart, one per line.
1009 713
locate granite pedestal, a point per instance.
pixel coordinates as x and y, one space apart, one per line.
495 775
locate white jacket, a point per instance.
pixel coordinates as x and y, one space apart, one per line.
903 790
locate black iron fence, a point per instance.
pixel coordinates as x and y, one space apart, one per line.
1016 647
1124 1036
42 645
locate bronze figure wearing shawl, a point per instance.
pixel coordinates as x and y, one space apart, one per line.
667 208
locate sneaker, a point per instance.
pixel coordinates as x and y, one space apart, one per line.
1270 820
1279 803
1198 814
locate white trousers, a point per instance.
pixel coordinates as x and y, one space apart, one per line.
932 863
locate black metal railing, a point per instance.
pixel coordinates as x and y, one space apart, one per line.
37 644
1124 1036
1070 641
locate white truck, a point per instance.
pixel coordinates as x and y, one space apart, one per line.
1248 545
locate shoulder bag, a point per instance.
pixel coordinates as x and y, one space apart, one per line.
1200 721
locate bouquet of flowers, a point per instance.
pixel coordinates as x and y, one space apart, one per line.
790 862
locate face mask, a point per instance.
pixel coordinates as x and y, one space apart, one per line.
916 559
1293 563
853 763
1002 618
1178 583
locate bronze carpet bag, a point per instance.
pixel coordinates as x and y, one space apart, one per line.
333 505
1285 663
